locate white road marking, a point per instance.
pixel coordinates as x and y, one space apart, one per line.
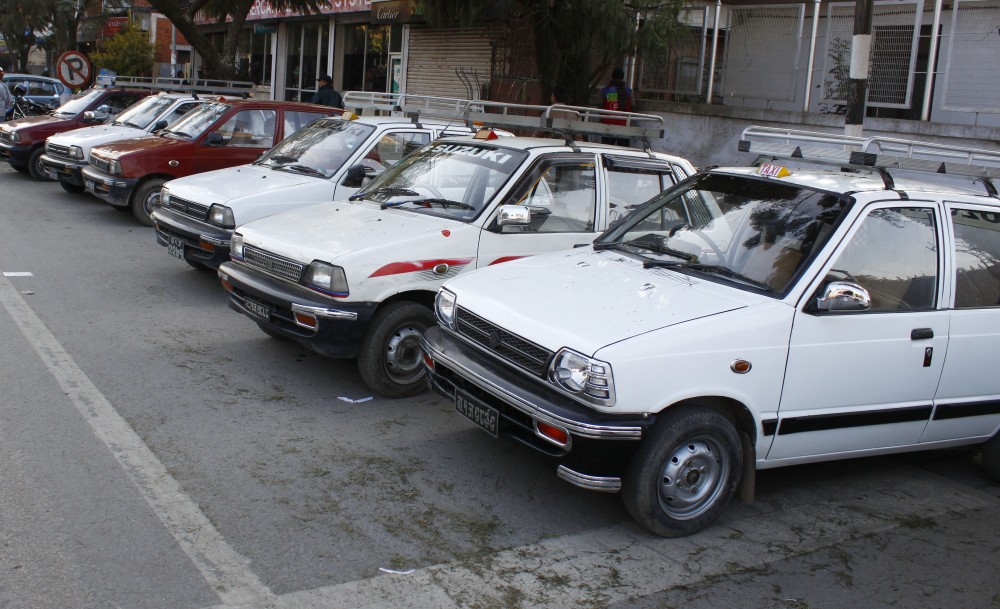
17 274
222 567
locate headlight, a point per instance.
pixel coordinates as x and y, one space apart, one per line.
326 278
164 197
75 152
15 137
115 168
220 215
584 376
236 247
445 305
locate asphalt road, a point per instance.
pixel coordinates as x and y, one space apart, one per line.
158 450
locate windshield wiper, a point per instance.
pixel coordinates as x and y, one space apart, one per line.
178 133
711 269
443 203
302 169
395 190
660 249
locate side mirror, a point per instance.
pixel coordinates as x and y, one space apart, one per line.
91 117
518 215
159 125
355 177
214 139
843 296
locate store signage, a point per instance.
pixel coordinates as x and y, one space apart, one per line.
113 25
396 11
262 9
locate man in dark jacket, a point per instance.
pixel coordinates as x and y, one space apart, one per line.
326 95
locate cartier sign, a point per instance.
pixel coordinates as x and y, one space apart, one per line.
395 11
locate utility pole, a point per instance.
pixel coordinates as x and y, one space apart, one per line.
861 44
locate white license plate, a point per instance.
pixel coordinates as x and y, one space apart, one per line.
89 185
175 247
486 417
257 308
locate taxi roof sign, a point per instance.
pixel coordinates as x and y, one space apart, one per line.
775 171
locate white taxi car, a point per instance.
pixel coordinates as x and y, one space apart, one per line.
749 318
356 278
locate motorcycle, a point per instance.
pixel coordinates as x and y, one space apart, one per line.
23 106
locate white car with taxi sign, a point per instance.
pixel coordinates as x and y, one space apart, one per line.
747 319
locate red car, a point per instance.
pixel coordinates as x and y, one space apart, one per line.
22 141
129 173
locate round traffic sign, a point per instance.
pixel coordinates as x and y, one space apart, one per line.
73 69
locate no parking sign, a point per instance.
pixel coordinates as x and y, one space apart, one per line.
73 69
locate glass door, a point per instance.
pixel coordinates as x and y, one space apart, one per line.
306 59
368 51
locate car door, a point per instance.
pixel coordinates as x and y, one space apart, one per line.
561 192
239 139
865 379
967 403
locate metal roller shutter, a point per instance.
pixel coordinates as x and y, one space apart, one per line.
434 55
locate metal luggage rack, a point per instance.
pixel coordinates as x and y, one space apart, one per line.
567 121
182 85
880 154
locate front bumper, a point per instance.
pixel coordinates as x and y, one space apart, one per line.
16 154
339 327
600 445
195 240
64 170
115 191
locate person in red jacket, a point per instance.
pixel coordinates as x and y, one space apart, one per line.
617 96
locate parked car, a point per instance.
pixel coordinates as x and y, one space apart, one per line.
357 278
66 154
129 174
39 89
748 318
329 159
22 141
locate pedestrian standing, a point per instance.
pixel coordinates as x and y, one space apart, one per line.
6 99
326 95
616 96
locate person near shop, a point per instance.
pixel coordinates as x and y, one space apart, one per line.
326 95
616 96
6 99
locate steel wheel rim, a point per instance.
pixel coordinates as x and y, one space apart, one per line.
692 477
151 201
403 359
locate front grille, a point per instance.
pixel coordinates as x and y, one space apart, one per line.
59 151
509 347
188 208
99 164
5 136
272 264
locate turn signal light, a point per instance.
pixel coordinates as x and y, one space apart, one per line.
428 362
205 245
556 435
305 320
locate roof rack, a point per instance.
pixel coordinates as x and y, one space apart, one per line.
565 120
182 85
874 153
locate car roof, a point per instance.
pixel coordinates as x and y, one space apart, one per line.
559 145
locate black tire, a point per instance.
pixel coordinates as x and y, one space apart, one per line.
20 168
685 472
390 360
145 198
73 188
35 167
990 454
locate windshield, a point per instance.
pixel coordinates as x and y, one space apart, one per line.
143 112
78 105
754 232
453 180
322 147
195 122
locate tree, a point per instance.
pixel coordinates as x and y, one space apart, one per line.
127 53
576 41
18 23
220 63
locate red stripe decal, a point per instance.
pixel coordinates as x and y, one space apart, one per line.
398 268
505 259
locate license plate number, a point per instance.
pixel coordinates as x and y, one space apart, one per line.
175 247
486 417
89 185
257 308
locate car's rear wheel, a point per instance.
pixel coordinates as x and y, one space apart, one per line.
685 471
145 199
73 188
391 361
35 166
990 454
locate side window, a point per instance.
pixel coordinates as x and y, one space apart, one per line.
180 111
120 102
562 196
893 255
977 258
249 129
41 88
296 119
630 188
392 147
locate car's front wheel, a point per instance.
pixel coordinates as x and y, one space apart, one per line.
685 471
145 199
990 454
390 361
35 166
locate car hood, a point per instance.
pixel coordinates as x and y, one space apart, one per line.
588 300
333 229
43 121
225 185
96 135
149 142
